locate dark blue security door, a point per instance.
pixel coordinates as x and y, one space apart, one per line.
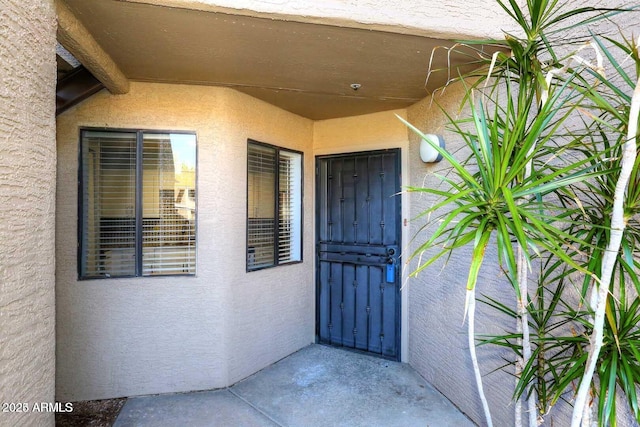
357 251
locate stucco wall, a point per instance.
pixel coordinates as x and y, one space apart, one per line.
360 133
121 337
443 19
27 211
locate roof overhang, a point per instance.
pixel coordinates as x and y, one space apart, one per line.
307 68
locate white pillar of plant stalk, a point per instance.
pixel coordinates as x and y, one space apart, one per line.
609 258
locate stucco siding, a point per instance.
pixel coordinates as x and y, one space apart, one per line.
122 337
271 311
360 133
450 19
27 210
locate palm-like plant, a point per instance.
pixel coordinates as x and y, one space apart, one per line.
504 198
621 117
517 189
560 340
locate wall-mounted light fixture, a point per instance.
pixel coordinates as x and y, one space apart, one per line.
428 153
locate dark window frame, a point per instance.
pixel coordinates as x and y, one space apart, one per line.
140 132
276 261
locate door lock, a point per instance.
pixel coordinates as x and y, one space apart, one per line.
391 265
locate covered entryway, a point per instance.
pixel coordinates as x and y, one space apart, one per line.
358 242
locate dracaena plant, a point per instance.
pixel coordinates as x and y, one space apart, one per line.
512 190
560 338
608 221
504 197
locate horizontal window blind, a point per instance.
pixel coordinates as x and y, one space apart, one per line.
168 234
274 206
138 214
261 203
290 207
109 190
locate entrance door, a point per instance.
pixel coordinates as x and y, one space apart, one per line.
358 244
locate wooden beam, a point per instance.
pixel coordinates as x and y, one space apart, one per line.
73 35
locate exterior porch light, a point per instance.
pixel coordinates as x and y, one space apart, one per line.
428 153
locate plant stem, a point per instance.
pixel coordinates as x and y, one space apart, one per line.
523 285
618 224
471 310
519 367
526 333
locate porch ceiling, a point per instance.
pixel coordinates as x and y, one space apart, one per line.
301 67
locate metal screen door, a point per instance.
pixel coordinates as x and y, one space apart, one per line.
358 242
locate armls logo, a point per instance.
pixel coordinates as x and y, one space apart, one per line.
57 407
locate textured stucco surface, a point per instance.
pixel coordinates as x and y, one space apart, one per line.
27 208
122 337
443 19
360 133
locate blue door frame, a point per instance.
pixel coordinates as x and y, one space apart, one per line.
358 243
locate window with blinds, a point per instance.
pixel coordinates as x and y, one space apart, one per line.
289 206
274 206
137 204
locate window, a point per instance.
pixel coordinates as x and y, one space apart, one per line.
135 216
274 206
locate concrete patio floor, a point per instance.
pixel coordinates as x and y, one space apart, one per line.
317 386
